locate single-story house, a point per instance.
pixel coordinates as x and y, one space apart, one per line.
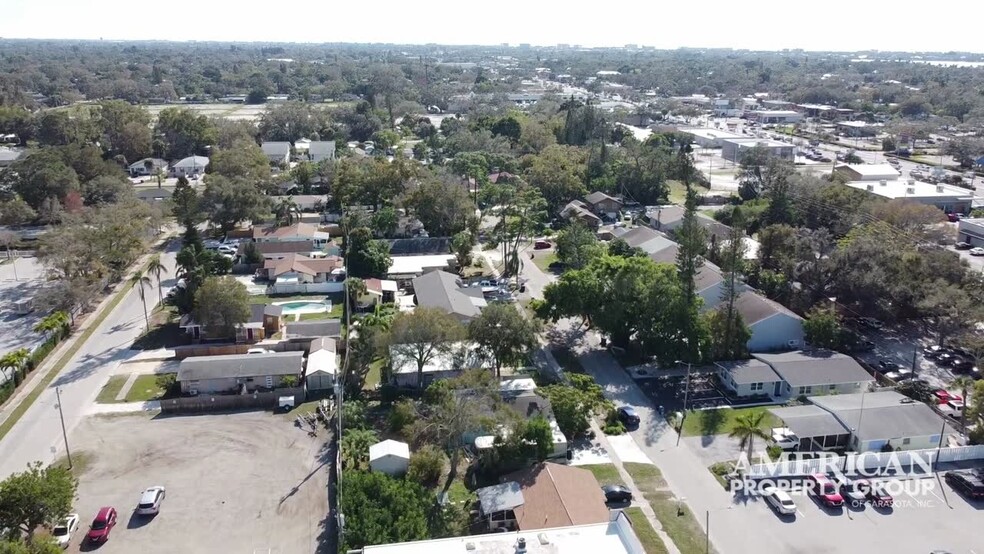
444 291
290 233
306 202
773 326
192 166
579 211
749 378
9 155
405 268
815 372
455 359
277 152
264 320
275 250
863 422
154 194
497 502
668 218
602 204
866 172
313 329
321 150
420 246
147 166
321 367
240 372
529 405
379 291
295 268
648 240
390 457
556 495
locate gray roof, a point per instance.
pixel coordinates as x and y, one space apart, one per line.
749 371
420 246
322 343
240 365
316 328
7 155
191 162
649 240
442 290
153 193
321 149
498 498
275 148
809 421
155 162
887 415
708 276
818 367
665 215
598 196
754 308
529 404
257 311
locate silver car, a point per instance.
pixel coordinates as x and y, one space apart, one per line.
150 501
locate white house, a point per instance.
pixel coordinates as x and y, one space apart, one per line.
773 326
322 364
319 151
749 378
291 233
390 457
806 373
277 152
147 166
192 166
458 357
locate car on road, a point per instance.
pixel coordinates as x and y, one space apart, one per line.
888 365
977 251
150 501
861 346
855 491
900 374
541 245
628 416
953 408
102 525
932 352
946 359
62 533
870 322
779 499
824 490
963 246
962 365
943 396
966 482
616 494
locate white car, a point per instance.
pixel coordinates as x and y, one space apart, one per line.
779 499
785 438
150 501
62 533
977 251
228 249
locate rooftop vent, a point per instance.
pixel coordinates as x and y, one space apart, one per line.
469 546
521 546
883 183
870 188
910 190
939 188
911 182
543 538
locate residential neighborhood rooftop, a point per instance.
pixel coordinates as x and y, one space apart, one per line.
444 291
754 307
314 328
557 495
200 368
817 367
749 371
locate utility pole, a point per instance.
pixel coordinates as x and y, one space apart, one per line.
61 415
686 396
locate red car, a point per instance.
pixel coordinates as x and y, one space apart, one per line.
825 490
943 396
101 526
541 245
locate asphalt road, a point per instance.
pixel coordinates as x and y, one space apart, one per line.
38 434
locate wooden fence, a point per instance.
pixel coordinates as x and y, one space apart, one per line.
225 349
204 403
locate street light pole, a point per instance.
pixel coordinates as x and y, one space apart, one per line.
61 415
707 531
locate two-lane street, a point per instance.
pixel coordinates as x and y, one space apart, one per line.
38 435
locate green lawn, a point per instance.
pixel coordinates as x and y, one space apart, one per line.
683 529
606 474
647 477
678 192
375 374
722 421
144 388
544 260
336 312
109 391
644 530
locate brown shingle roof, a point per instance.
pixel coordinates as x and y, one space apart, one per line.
303 264
558 496
288 247
295 230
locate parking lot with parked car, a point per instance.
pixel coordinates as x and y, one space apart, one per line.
897 348
247 482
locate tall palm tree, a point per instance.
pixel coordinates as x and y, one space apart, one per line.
156 268
140 281
51 323
964 383
747 428
287 211
13 360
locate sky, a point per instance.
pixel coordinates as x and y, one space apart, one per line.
840 25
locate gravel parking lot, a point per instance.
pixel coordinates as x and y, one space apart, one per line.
939 519
898 343
246 482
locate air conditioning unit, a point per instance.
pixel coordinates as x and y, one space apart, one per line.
870 188
939 188
911 182
910 190
883 183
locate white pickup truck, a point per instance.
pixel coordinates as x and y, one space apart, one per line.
784 438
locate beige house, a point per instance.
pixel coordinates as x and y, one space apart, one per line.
297 268
289 233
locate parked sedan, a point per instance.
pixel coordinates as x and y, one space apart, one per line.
934 351
616 494
855 491
977 251
963 246
779 499
821 487
888 365
962 365
871 322
879 496
628 416
946 359
62 532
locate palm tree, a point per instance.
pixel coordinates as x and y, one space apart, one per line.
13 360
139 281
747 428
156 268
287 211
964 383
356 289
51 323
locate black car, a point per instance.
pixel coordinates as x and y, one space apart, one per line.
616 494
966 482
946 359
870 322
888 365
934 351
628 416
962 365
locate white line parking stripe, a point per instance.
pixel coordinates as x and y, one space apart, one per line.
800 513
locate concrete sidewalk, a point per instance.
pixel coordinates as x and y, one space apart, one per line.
123 408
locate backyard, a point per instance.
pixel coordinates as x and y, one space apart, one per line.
722 420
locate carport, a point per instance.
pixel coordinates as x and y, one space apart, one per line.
816 428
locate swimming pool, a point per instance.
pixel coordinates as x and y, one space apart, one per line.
305 307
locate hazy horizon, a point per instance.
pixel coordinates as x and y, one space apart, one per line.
774 26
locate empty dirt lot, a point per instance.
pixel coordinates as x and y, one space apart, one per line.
246 482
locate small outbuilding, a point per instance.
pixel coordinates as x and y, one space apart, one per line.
390 457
